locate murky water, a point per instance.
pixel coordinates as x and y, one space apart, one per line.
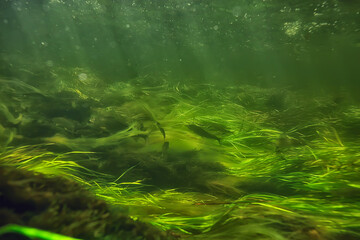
207 119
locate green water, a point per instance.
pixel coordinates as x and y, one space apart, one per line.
298 43
232 119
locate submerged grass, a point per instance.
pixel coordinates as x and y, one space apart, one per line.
37 159
289 177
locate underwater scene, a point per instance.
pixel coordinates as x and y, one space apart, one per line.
180 119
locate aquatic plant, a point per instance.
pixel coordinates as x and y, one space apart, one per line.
33 233
272 176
